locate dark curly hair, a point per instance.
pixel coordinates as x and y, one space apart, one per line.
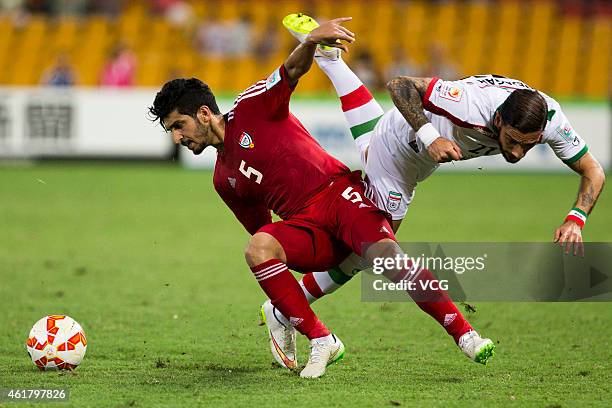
184 95
525 110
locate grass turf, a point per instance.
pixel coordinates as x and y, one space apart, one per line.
150 262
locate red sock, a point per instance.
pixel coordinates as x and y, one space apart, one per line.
286 295
438 305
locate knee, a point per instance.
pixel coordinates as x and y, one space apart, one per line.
261 248
385 248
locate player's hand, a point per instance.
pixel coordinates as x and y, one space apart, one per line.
443 150
331 32
570 235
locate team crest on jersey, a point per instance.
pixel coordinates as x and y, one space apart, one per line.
393 201
451 92
246 141
273 79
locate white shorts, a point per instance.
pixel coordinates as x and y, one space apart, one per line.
393 171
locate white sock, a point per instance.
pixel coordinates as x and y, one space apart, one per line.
344 80
329 339
315 285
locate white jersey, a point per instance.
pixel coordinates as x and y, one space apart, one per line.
462 111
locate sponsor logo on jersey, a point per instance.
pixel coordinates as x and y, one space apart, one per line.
567 133
393 201
576 141
452 93
273 79
246 141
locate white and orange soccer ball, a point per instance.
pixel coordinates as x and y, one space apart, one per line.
56 342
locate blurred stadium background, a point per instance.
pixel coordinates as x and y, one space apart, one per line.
141 254
75 72
563 47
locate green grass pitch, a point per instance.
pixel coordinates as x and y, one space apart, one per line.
150 262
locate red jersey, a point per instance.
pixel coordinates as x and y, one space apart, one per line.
269 160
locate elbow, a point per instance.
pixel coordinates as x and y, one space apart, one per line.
599 174
394 83
400 81
603 177
291 70
596 175
294 73
591 169
401 87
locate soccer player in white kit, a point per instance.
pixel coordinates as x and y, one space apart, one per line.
436 121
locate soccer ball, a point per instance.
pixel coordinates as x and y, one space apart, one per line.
56 342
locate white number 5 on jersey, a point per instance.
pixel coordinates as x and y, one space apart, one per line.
352 196
249 171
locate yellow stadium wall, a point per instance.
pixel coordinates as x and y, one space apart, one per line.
564 55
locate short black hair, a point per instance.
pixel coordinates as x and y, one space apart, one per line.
184 95
525 110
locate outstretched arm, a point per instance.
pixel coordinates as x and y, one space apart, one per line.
407 94
329 33
591 184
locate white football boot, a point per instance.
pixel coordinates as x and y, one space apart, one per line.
282 336
476 348
322 354
300 25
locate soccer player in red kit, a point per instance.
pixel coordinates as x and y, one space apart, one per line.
267 160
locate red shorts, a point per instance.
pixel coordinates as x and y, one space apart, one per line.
335 222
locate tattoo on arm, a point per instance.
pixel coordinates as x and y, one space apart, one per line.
587 197
591 182
407 95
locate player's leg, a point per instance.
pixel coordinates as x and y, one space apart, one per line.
315 285
359 106
391 186
434 302
373 227
392 190
301 247
362 113
266 258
